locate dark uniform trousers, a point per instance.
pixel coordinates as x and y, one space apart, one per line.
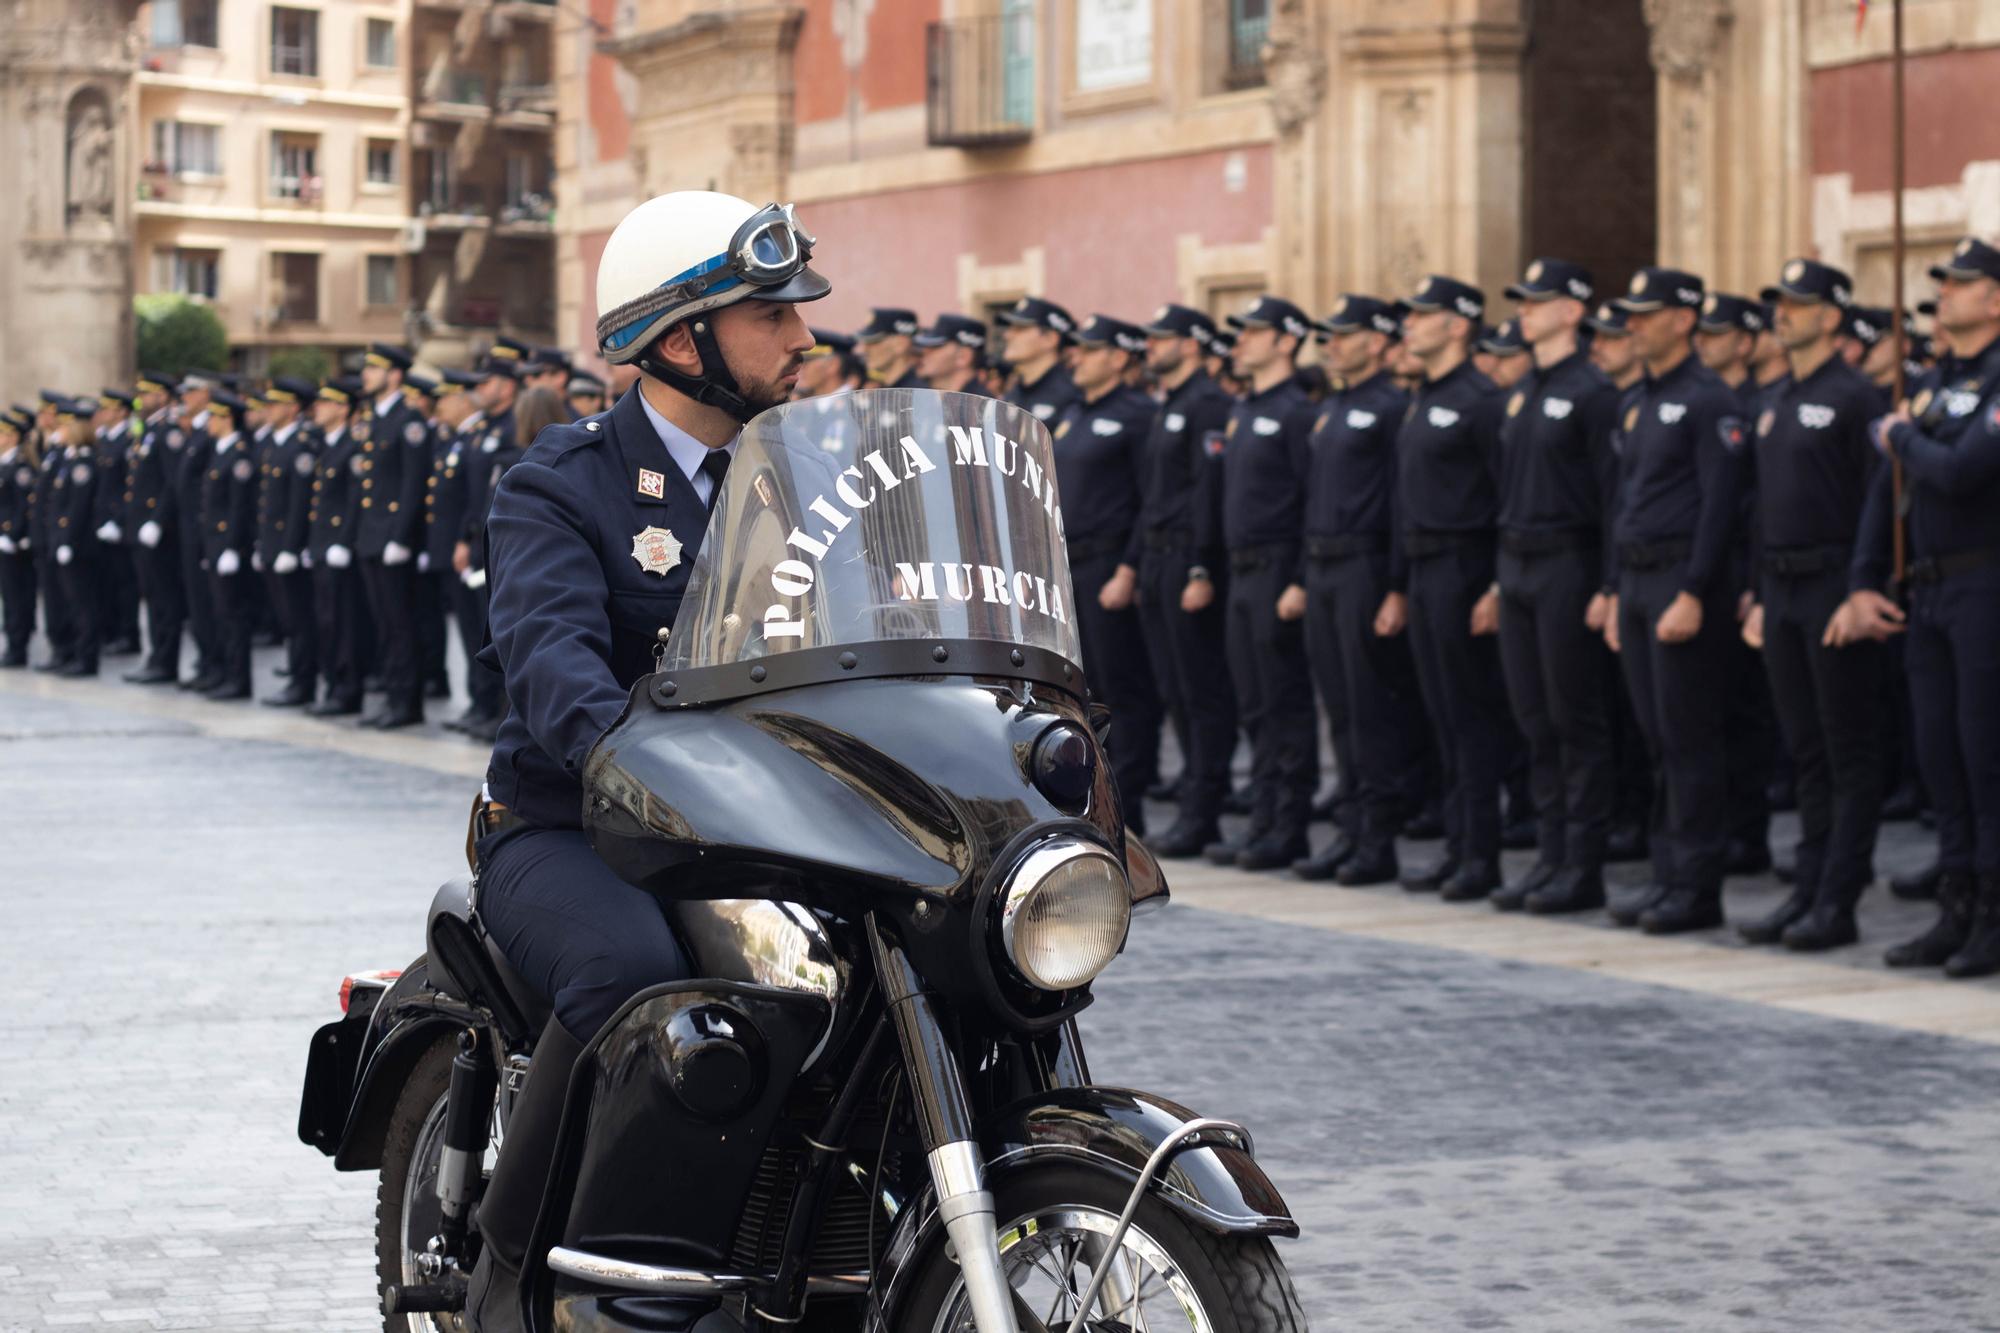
1459 675
234 599
195 592
1193 673
292 597
392 592
571 927
1120 674
17 597
1274 701
430 600
337 615
83 585
1680 695
1383 775
482 683
1953 658
1830 705
1556 682
159 570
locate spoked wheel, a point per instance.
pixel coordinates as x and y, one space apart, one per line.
1166 1277
407 1212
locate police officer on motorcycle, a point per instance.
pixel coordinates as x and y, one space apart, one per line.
591 540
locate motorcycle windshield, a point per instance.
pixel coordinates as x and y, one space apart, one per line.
876 516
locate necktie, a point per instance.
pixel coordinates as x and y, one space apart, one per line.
716 465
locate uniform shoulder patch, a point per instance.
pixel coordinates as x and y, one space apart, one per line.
1106 426
303 464
356 464
414 433
1267 425
1732 433
652 485
1176 421
243 470
24 476
1993 419
175 439
1212 442
80 473
1043 411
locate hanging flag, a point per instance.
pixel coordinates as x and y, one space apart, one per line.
1860 14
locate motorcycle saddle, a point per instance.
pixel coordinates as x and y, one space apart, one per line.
465 961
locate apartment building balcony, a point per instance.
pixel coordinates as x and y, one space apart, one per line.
980 81
457 95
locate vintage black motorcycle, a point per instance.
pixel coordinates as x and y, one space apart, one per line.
864 784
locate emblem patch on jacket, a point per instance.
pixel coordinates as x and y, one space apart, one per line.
652 485
657 550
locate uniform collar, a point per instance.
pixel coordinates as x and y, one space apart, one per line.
1191 386
687 451
384 406
473 422
285 432
333 436
223 445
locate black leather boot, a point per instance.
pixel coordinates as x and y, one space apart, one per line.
1512 897
1917 886
1184 840
1474 880
1771 928
1273 850
1948 933
1574 889
1830 924
1373 862
1326 863
514 1193
1626 911
1432 877
1683 909
1980 956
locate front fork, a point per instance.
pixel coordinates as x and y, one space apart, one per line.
944 1115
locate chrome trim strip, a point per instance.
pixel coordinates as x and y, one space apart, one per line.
625 1275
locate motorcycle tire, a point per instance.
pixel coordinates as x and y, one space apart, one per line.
422 1096
1239 1282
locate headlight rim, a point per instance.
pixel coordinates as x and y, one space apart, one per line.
1032 869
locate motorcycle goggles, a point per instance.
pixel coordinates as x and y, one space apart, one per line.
768 251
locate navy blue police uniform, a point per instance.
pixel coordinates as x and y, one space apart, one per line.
1180 531
284 501
1048 395
1263 508
575 620
117 580
427 583
1099 446
1950 454
59 622
1558 478
395 462
340 615
190 444
1683 442
1447 508
1367 683
1815 464
17 560
74 492
229 528
497 449
152 510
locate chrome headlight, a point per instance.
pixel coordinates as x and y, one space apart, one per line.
1064 913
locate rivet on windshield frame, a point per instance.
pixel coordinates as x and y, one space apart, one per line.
940 653
1065 671
1018 658
757 673
848 661
662 635
923 908
668 689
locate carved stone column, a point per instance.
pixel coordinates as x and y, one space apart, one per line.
1295 69
714 101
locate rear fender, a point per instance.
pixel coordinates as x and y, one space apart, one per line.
405 1023
1113 1130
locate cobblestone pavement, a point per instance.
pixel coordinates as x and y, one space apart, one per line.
1470 1142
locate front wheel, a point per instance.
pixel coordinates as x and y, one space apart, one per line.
1168 1275
407 1212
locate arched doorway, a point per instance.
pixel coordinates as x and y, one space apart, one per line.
1590 118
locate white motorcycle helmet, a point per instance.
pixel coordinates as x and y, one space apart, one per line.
679 255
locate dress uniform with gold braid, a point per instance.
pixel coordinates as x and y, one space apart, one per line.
340 616
152 521
229 539
284 499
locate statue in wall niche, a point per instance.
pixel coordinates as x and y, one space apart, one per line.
92 145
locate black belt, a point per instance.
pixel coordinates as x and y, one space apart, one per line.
1418 545
1528 541
1653 555
1938 568
1792 561
1257 557
1100 546
1347 544
1168 539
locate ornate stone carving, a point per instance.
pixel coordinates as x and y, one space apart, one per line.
1685 35
1294 67
92 162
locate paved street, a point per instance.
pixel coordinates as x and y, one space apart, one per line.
1482 1122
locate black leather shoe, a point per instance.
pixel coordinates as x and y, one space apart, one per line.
1512 897
1369 866
1427 825
1326 863
150 675
1626 911
1919 886
1682 910
78 670
1222 852
1574 889
1474 880
201 682
1273 851
1980 955
1183 841
1746 858
1625 844
1770 929
292 696
121 647
1432 878
228 691
15 659
55 666
390 719
1829 925
333 706
1947 935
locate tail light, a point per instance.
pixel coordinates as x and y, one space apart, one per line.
366 981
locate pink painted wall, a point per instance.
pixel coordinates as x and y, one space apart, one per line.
1109 234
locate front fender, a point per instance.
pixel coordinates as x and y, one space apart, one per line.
1114 1130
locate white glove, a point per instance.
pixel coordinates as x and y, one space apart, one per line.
257 562
7 546
110 533
474 578
63 554
26 544
395 553
306 559
423 562
286 563
149 534
228 563
338 557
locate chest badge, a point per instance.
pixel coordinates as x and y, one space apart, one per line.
652 485
657 550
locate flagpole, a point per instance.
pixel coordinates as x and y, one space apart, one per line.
1897 243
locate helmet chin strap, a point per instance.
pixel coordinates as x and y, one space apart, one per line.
715 386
